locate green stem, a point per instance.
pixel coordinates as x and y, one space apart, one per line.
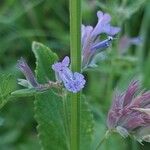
141 50
75 44
103 139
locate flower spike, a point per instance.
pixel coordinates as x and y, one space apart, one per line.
130 113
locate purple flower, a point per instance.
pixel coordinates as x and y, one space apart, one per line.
91 44
30 78
103 44
126 42
129 112
73 82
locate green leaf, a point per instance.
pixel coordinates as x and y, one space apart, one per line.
87 124
7 85
24 92
48 107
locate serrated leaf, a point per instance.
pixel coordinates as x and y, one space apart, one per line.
7 85
44 60
48 107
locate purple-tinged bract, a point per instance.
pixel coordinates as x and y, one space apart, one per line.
91 43
73 82
129 113
30 78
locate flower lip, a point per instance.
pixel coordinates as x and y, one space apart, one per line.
103 44
60 66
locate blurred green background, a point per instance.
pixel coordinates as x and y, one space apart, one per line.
47 21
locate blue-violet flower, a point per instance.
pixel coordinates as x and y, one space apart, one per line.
73 82
91 44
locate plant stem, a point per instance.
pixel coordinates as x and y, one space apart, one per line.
144 34
75 45
103 139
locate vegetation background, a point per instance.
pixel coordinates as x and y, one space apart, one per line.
47 21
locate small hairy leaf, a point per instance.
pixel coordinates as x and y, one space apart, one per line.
7 85
24 92
48 107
